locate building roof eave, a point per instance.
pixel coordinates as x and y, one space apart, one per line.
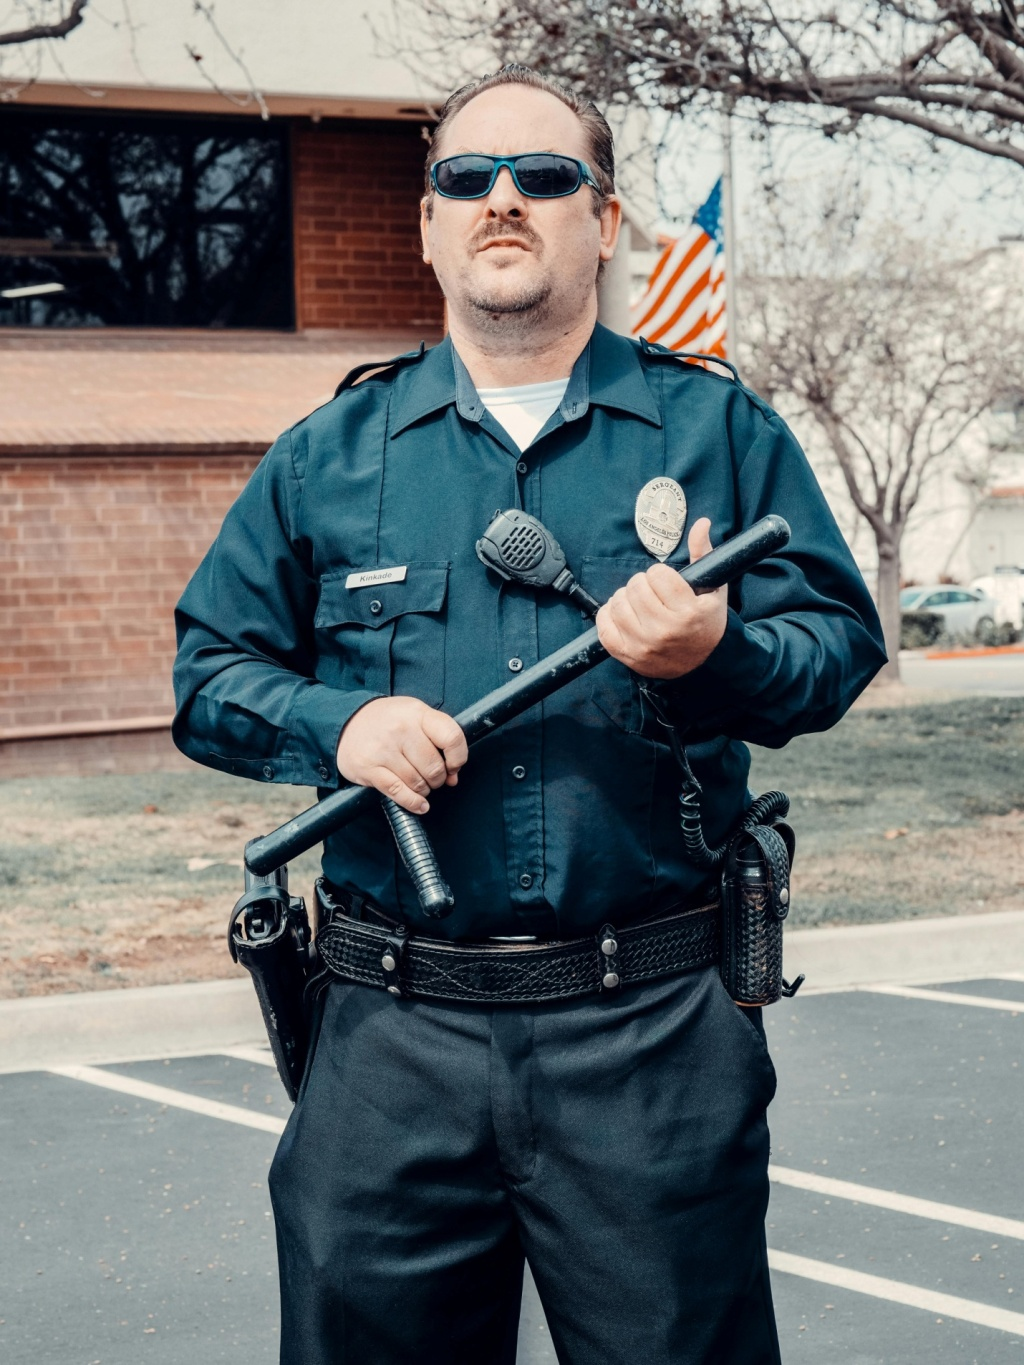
167 99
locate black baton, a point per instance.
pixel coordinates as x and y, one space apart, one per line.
721 565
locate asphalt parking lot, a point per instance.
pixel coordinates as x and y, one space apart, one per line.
138 1225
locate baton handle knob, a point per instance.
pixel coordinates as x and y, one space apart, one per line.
417 853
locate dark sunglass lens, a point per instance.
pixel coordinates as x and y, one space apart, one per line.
464 177
546 177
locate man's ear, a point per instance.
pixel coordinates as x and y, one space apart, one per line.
424 222
611 222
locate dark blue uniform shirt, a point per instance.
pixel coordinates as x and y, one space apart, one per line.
569 815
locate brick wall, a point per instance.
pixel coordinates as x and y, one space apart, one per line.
356 193
93 556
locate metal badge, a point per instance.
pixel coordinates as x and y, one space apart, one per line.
660 516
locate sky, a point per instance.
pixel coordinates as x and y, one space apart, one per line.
955 194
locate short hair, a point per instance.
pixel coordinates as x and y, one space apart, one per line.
601 157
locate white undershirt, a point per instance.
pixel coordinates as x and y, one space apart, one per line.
523 410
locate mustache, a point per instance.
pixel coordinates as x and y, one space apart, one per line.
490 231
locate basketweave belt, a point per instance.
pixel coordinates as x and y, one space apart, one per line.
519 973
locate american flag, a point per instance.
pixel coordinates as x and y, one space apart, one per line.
683 306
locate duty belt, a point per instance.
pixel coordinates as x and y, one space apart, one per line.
518 973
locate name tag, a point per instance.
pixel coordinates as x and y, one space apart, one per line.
370 578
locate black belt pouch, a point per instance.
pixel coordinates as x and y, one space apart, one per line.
755 902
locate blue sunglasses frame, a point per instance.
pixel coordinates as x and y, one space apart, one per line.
586 175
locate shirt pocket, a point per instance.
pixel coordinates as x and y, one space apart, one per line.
614 689
388 637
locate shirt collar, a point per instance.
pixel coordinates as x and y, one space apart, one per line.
608 374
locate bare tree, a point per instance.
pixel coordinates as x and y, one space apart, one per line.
952 70
892 352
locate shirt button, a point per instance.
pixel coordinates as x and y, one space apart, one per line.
515 665
375 608
522 467
268 772
323 773
526 881
518 772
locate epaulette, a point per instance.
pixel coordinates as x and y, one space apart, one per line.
658 352
353 376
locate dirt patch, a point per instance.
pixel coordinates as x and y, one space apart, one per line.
907 872
127 880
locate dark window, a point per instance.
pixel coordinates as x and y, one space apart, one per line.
137 221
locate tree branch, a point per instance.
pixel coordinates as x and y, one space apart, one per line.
60 29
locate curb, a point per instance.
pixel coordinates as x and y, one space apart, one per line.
907 952
141 1023
980 652
134 1024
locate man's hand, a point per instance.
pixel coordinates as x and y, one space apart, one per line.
657 625
402 747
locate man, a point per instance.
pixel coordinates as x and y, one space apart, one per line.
617 1140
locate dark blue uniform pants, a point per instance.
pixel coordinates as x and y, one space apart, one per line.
619 1143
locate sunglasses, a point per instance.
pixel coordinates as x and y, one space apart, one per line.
538 175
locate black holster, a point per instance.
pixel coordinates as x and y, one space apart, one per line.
268 933
755 902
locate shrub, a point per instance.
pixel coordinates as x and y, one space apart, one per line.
918 629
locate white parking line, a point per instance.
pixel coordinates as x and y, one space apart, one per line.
177 1099
841 1277
261 1055
945 1305
982 1002
898 1203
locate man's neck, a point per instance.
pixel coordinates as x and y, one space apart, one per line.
494 364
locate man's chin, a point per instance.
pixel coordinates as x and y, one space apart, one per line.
510 302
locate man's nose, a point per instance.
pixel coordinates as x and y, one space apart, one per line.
505 199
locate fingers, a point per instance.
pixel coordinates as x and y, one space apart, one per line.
431 757
609 633
443 732
637 614
426 759
673 592
657 596
389 783
402 747
699 540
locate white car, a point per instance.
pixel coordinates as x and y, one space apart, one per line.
964 611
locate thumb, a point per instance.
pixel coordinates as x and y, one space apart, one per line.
699 539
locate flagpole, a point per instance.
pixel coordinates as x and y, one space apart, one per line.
732 312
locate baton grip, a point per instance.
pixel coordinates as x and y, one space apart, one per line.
724 564
417 853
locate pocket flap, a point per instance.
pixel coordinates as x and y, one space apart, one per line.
424 589
602 577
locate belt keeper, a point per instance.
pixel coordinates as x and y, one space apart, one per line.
608 958
391 959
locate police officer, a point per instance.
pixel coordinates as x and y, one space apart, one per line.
617 1140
